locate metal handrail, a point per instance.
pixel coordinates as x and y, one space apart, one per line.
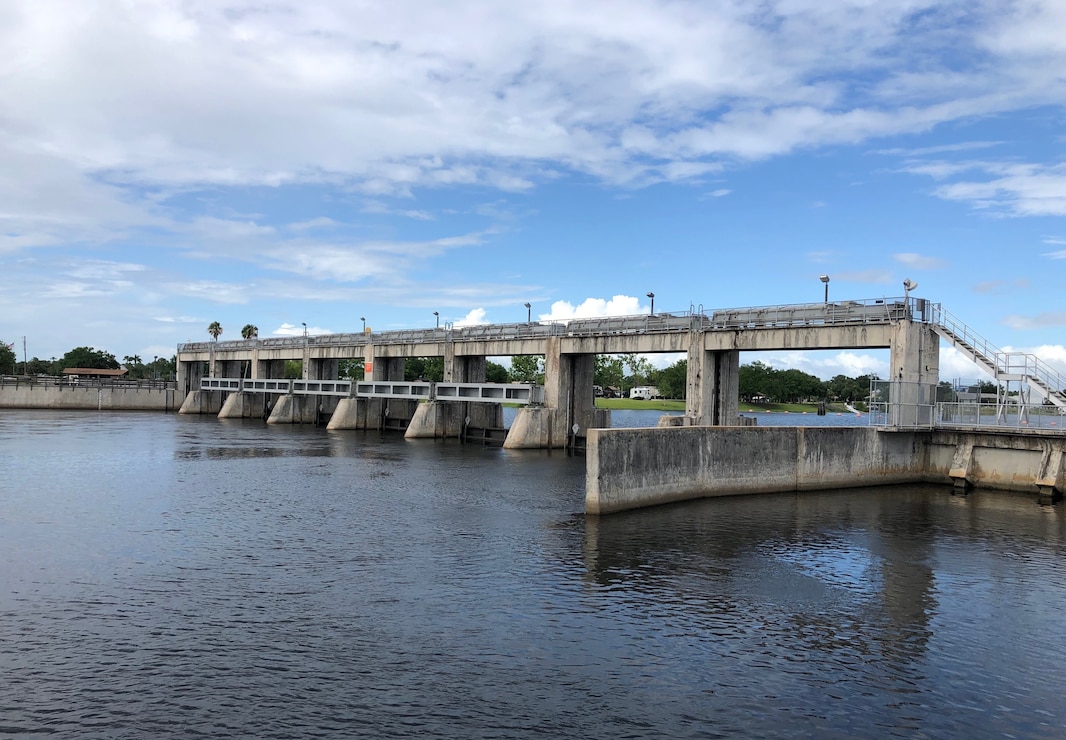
1031 368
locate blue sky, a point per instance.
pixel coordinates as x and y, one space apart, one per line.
168 164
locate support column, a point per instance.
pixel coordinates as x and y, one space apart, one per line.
449 418
189 375
915 368
323 370
386 413
195 400
713 386
568 400
264 369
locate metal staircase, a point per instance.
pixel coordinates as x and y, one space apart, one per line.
1028 370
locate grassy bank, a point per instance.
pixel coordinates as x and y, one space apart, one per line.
674 405
660 404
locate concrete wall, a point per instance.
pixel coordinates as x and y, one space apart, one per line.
88 397
633 468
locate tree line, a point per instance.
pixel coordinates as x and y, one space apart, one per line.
88 357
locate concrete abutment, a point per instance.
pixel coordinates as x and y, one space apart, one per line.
635 468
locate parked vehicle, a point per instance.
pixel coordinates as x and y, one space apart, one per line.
644 392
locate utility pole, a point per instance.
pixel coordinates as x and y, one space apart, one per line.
25 362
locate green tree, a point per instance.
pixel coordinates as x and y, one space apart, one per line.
945 393
161 368
494 372
250 331
87 357
135 367
673 380
8 359
754 380
38 366
294 369
354 369
424 368
214 329
641 371
609 371
527 369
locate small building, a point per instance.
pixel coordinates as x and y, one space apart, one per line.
75 374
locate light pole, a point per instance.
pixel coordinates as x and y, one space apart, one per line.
306 359
363 319
908 286
436 315
529 314
652 296
825 279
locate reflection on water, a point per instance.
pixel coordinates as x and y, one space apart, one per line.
163 575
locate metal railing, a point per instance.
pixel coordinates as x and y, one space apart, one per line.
1013 416
859 312
1025 368
517 393
841 313
904 405
85 381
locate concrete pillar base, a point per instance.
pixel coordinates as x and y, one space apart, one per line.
349 414
533 429
202 402
436 419
294 410
540 427
242 405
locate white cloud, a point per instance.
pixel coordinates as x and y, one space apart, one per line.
822 364
384 98
619 305
474 318
1002 188
298 330
954 365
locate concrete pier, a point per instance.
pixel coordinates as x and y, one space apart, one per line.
242 405
442 419
202 402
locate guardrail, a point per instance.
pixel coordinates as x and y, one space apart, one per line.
867 311
85 381
837 313
639 323
518 393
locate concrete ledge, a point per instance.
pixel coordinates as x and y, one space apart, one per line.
633 468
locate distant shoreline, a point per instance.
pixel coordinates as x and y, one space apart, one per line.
747 408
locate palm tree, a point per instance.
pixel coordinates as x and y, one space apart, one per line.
214 329
250 331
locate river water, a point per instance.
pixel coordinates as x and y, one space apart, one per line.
184 576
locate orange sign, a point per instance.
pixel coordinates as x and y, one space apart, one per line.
368 367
